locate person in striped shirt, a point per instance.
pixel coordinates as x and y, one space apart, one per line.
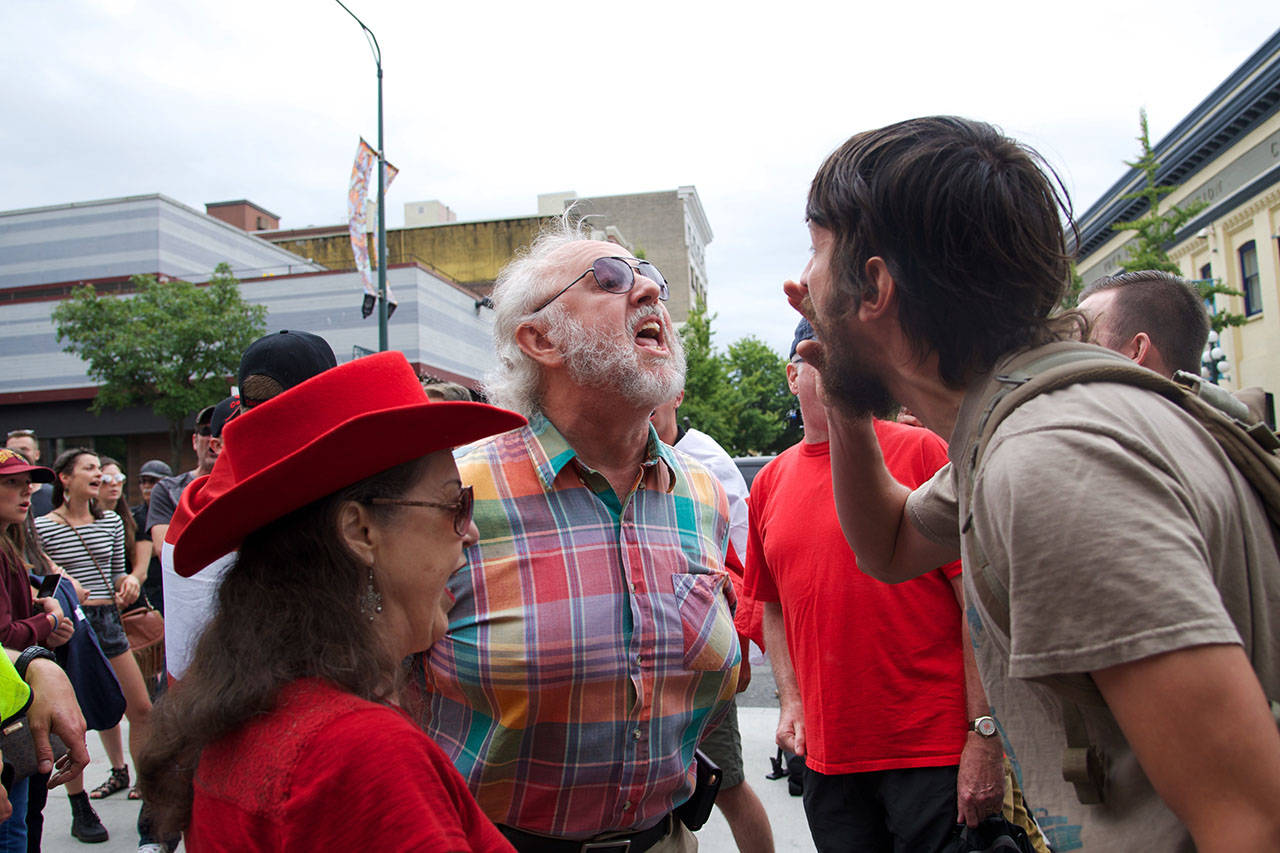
591 641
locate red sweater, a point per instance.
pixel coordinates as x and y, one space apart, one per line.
327 770
18 628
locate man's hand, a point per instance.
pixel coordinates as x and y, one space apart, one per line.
980 783
54 708
811 350
790 735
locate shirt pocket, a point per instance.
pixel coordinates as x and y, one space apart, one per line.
709 639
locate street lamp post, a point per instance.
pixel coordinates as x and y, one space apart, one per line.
382 189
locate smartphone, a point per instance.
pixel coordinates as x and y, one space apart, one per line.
48 586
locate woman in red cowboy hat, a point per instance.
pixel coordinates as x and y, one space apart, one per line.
344 503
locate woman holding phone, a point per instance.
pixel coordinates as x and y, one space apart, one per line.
343 502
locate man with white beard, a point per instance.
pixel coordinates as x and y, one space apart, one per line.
591 641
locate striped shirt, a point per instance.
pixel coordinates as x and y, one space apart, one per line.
591 643
105 537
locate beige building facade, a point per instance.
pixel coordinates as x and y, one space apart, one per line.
1226 153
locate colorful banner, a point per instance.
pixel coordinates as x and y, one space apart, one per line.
361 219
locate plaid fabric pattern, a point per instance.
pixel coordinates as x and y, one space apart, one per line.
590 645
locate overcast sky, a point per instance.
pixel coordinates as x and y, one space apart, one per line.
490 103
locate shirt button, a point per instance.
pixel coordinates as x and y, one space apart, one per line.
635 735
626 806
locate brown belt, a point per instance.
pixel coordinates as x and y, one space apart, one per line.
635 842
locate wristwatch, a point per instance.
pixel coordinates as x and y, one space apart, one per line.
985 726
29 654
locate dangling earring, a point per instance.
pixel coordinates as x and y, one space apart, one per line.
371 601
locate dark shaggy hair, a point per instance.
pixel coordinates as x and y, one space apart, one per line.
1163 305
967 221
288 609
62 465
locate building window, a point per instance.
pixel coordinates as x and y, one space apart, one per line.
1206 275
1249 279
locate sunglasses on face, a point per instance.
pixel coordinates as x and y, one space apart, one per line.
114 478
462 508
616 275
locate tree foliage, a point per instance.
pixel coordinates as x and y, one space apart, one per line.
168 347
1155 230
738 397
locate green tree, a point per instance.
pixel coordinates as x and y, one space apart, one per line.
1154 231
762 402
168 347
739 398
706 383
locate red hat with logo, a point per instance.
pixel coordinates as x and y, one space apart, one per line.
337 428
12 462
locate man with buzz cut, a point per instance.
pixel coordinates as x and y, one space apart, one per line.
591 641
1153 317
1141 613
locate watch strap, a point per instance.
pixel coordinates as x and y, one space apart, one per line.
29 654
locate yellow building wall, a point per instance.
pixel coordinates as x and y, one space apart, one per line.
470 253
1254 348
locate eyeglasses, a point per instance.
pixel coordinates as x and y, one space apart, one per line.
114 478
616 275
462 508
21 433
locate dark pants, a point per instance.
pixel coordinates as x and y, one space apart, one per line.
894 811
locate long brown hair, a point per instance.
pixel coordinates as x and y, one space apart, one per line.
288 609
122 509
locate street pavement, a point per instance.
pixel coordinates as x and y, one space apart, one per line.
757 719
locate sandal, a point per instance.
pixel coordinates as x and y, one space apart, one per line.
134 793
116 782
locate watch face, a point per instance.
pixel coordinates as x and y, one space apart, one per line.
985 726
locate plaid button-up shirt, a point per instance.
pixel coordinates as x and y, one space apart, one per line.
591 643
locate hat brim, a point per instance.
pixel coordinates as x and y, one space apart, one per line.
39 474
350 452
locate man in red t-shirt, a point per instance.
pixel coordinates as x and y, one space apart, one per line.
877 685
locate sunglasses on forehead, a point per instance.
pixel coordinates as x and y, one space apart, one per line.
616 275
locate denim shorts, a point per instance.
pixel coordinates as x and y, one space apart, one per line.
105 620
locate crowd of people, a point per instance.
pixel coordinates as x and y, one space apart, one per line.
397 618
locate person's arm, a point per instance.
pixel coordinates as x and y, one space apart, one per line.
980 781
54 708
871 506
142 551
20 633
1202 730
128 587
790 735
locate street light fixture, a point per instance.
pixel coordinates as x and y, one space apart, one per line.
382 189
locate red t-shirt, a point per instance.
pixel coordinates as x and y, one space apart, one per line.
880 666
327 770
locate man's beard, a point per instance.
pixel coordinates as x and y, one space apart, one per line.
846 380
598 359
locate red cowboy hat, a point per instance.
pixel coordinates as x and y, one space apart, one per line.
328 432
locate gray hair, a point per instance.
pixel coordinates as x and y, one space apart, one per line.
515 383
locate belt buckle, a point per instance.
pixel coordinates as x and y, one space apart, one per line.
620 845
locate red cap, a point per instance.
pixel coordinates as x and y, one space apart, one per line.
12 462
335 429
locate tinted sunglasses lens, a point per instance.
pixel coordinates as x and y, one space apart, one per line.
612 275
462 518
650 272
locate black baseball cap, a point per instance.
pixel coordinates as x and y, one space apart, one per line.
288 356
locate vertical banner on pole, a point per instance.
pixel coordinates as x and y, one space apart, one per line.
360 209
